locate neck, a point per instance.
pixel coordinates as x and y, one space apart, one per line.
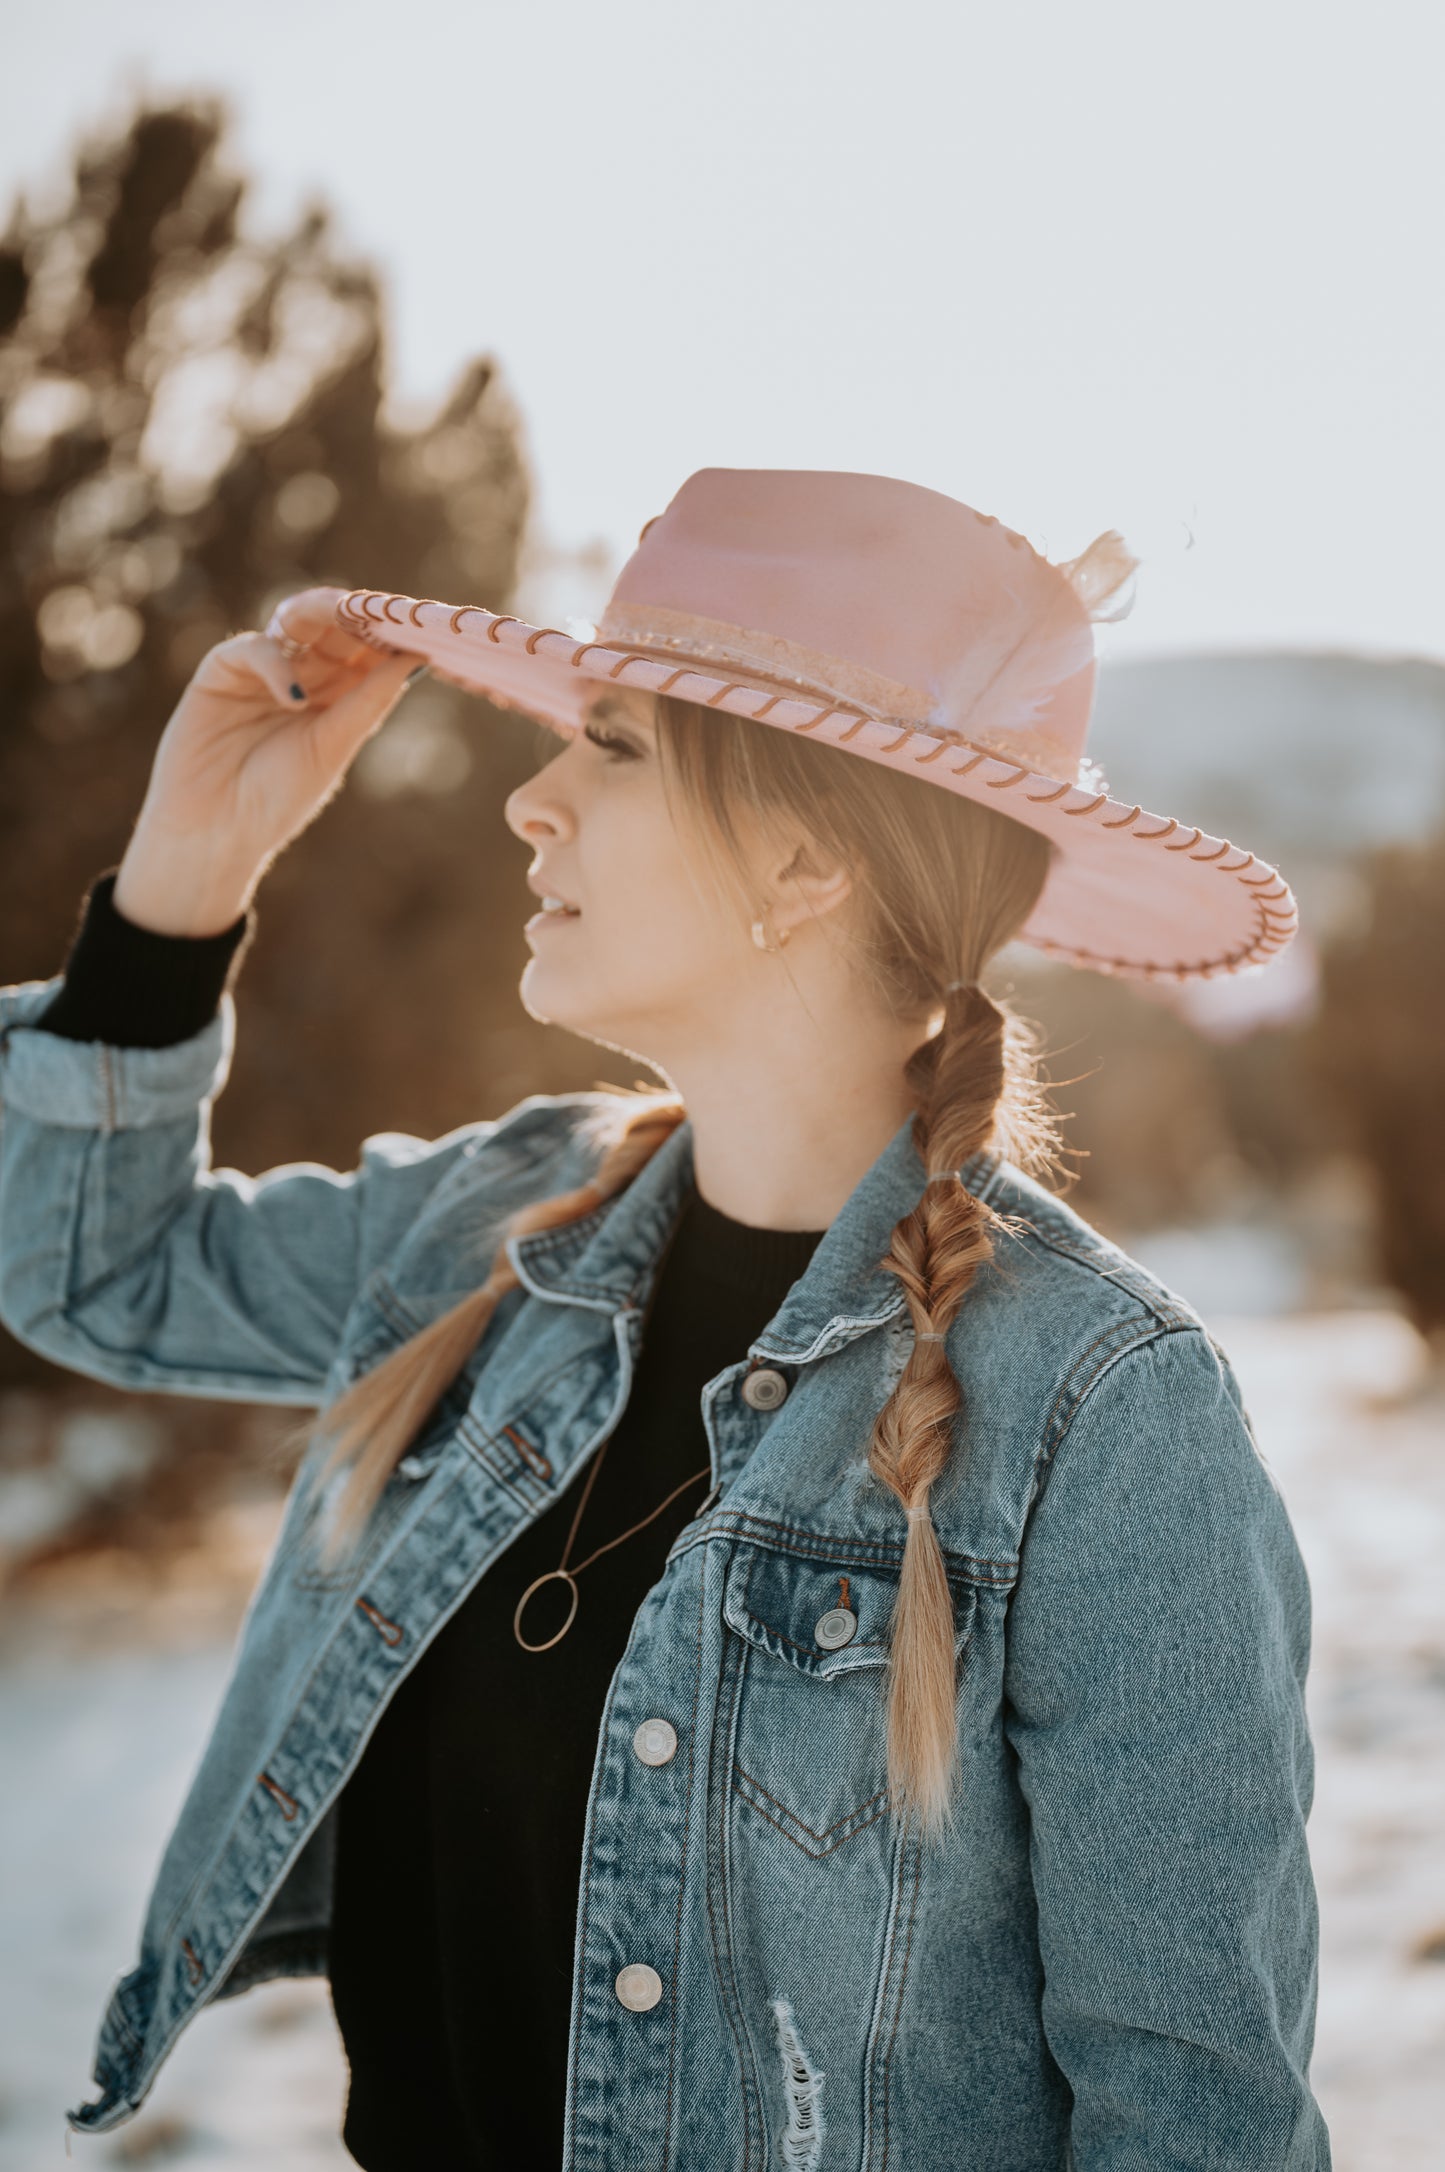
783 1130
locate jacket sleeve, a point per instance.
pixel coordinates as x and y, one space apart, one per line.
126 1256
136 988
1158 1646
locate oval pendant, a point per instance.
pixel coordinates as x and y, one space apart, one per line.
567 1578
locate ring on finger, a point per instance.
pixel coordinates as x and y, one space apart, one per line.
289 648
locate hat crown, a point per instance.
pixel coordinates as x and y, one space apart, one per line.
880 593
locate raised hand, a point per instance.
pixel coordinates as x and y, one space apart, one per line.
246 762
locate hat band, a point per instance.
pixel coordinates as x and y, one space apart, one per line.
714 641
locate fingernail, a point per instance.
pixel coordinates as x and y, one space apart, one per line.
412 676
298 693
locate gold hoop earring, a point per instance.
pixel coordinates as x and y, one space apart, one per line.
760 935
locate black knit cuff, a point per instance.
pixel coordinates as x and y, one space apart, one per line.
133 988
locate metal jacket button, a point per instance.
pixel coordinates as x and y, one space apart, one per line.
655 1741
638 1986
764 1388
836 1627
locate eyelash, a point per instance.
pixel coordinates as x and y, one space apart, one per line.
600 737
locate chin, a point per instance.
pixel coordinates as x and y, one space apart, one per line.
546 997
540 997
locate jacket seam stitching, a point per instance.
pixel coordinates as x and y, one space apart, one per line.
1061 1414
740 1772
1155 1334
1057 1423
468 1175
867 1547
118 1268
863 1553
391 1307
719 1906
1126 1276
856 1324
814 1855
540 1242
392 1312
76 1299
485 1450
582 1957
917 1864
682 1871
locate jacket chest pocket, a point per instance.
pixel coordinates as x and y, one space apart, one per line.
809 1745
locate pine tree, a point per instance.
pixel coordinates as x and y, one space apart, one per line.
191 427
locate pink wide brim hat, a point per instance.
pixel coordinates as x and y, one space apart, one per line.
904 627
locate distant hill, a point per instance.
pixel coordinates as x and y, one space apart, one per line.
1311 758
1308 757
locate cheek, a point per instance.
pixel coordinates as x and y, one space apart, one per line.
654 931
653 912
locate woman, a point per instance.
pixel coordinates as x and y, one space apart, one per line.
782 1648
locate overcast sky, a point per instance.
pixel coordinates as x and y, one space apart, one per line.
1173 270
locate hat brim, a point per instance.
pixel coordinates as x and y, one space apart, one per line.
1193 907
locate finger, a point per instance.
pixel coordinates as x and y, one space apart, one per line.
309 618
249 664
347 723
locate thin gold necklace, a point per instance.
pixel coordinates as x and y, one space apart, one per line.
570 1576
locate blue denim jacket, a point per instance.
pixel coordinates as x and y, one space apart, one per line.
1110 1964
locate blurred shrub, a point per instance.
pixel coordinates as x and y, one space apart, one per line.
1144 1098
1377 1053
1173 1127
1170 1125
191 427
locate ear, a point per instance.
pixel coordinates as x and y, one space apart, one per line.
804 887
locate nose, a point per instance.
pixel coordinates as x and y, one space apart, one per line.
538 811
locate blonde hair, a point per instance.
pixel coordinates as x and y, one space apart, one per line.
944 883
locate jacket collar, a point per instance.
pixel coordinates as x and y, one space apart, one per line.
608 1259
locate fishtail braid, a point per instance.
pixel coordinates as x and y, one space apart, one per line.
959 1076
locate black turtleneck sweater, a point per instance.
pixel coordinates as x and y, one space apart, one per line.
460 1830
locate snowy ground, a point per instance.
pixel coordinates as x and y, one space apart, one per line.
104 1701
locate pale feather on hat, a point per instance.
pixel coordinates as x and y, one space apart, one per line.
1000 686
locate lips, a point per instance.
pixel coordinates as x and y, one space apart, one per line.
553 913
554 905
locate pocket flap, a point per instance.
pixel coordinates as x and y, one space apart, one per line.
797 1606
